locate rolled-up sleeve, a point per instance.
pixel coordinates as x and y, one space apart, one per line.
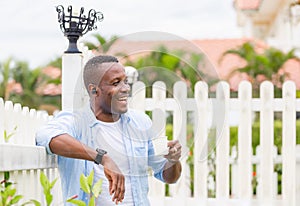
63 123
157 163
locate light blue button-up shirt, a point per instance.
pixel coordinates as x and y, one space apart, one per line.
137 135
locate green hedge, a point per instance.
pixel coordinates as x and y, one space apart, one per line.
234 134
234 142
256 135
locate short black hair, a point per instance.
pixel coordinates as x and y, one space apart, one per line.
91 69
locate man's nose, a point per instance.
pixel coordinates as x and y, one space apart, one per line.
124 87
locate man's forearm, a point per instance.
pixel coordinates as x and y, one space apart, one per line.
67 146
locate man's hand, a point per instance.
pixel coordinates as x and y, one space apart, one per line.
116 179
172 168
174 151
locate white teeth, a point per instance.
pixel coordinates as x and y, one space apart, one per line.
123 99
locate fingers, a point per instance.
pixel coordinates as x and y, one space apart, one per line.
175 146
119 191
174 151
116 181
116 185
173 143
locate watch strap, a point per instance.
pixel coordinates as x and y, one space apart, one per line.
100 154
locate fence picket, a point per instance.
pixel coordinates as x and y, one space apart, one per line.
181 188
33 121
289 144
9 123
137 100
265 181
157 188
201 141
25 125
222 141
2 120
16 114
244 190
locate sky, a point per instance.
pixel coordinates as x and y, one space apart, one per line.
30 29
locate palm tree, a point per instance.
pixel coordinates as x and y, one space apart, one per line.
102 45
5 74
266 65
168 66
29 79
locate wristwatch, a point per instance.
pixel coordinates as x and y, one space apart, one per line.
99 156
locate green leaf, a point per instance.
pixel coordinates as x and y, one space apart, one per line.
16 199
6 176
53 183
170 62
77 202
44 181
84 184
5 136
90 179
97 188
11 192
92 201
35 202
49 198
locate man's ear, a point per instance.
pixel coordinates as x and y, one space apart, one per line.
92 89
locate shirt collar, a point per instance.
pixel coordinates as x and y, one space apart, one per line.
91 118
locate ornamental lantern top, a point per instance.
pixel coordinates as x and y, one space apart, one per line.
74 25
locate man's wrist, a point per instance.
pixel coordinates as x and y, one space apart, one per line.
99 157
104 159
173 161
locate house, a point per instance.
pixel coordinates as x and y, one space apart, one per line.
272 21
276 22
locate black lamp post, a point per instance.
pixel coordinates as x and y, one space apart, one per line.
75 26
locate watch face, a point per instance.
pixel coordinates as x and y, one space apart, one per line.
101 151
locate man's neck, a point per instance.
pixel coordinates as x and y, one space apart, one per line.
107 117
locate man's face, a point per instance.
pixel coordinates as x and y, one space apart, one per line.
114 90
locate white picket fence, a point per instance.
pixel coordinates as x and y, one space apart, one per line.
20 156
234 170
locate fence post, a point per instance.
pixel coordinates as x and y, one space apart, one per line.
244 190
201 141
265 182
289 144
222 141
72 82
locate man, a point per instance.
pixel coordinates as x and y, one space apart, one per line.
108 138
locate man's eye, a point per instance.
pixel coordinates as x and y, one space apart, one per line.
116 83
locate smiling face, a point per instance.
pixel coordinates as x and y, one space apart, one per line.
112 96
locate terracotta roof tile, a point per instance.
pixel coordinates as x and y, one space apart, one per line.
248 4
